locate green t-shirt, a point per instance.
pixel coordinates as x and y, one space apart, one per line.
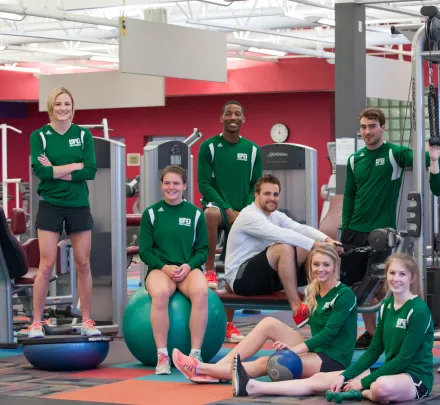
334 325
372 187
434 183
407 336
173 234
75 146
227 172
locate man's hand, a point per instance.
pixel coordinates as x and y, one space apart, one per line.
434 153
44 160
318 244
231 215
181 273
336 244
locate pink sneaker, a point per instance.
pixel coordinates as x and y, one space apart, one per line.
302 315
233 334
188 367
163 364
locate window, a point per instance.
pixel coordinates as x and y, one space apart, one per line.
398 122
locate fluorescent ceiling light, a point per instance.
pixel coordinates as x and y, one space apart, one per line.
267 51
67 52
2 48
327 21
11 16
217 2
20 69
106 27
111 59
60 68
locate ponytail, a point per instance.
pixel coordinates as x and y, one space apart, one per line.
312 291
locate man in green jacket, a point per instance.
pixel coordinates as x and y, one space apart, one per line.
229 166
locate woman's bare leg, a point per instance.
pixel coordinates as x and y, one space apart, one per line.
316 384
391 388
268 328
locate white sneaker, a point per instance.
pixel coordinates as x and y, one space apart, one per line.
36 330
163 364
88 328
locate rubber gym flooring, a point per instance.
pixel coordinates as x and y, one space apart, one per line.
121 379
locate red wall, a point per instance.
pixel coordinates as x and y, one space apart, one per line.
310 117
292 75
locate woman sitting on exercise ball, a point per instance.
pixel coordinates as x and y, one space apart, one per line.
174 245
333 321
63 158
405 332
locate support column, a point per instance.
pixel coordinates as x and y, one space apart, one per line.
350 75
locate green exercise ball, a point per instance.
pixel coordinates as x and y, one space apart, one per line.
138 333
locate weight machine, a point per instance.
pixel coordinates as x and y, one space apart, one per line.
425 48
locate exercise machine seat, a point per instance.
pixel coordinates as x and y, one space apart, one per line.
134 219
32 251
132 250
15 258
28 279
276 296
18 221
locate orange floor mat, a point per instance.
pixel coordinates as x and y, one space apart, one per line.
136 392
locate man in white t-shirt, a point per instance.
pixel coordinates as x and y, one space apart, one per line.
266 250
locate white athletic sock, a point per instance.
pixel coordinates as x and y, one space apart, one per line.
195 351
162 350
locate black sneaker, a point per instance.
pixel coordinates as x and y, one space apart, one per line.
364 341
239 378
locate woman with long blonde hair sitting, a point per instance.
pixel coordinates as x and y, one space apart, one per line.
333 322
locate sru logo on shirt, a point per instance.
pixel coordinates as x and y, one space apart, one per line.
74 142
327 305
242 156
401 323
185 221
380 162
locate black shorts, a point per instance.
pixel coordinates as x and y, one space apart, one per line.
257 277
54 218
421 389
355 265
328 364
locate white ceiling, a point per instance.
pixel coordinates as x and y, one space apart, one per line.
60 35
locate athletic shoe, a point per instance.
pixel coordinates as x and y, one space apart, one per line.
239 378
196 356
233 334
188 367
36 330
88 328
364 341
302 316
163 364
211 278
